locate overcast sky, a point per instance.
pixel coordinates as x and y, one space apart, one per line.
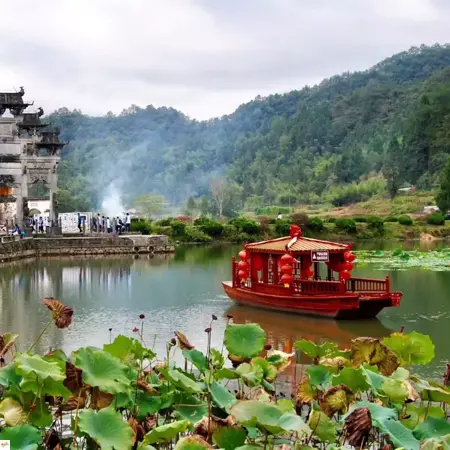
204 57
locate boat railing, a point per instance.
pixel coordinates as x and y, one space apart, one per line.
368 285
317 287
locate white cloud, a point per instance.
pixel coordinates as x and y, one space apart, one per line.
204 57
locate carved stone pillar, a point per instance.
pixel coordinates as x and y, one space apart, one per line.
53 182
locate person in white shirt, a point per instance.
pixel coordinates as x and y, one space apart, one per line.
108 225
128 223
46 224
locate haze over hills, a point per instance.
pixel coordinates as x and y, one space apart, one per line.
352 136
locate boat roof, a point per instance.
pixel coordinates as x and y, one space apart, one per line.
302 245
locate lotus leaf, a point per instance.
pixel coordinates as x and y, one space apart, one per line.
313 350
127 349
322 425
246 341
102 370
22 437
252 375
217 359
223 374
49 386
229 438
279 359
269 371
147 404
432 427
107 428
292 422
41 415
432 391
395 390
182 381
189 407
222 396
319 376
197 358
286 406
255 413
335 364
306 393
373 352
13 412
355 379
415 414
9 376
400 436
250 447
377 412
166 433
412 348
193 442
442 443
336 399
38 367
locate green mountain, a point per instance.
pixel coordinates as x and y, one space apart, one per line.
389 125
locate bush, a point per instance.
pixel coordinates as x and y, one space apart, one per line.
211 227
376 224
192 234
360 219
141 226
391 219
316 224
436 219
405 220
246 225
164 222
178 228
330 220
282 227
167 231
347 225
300 219
264 223
268 210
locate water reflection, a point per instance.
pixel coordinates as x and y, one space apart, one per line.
180 292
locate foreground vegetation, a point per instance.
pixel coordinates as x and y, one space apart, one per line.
123 397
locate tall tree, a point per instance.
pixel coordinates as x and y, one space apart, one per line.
392 167
443 193
191 207
219 190
149 204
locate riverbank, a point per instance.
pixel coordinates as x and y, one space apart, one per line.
11 250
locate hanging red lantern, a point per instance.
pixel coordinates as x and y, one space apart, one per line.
348 266
345 275
287 268
295 230
243 255
310 272
286 278
349 256
243 274
352 257
257 262
286 259
243 265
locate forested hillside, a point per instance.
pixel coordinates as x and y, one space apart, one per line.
351 136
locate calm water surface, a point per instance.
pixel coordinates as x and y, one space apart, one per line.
180 292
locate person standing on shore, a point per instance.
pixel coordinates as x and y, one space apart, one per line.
128 223
99 223
80 221
108 225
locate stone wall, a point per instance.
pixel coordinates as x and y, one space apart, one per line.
73 246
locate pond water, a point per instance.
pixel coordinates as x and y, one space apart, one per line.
182 291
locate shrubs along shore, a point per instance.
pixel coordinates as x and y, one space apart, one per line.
243 229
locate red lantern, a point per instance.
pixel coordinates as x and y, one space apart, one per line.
243 255
348 266
310 272
345 275
352 257
286 279
286 259
243 274
257 262
287 268
243 265
349 256
295 230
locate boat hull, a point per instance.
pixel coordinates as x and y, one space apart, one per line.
347 306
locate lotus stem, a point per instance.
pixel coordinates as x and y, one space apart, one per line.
39 337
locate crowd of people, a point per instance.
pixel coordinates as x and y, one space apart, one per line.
102 224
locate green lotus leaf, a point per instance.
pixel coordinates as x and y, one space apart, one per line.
252 375
400 436
107 428
374 379
22 437
229 438
269 372
181 381
41 416
38 367
355 379
319 376
56 356
127 349
147 404
49 386
257 414
412 348
189 407
102 370
377 412
395 390
221 396
166 433
432 427
441 443
293 422
323 427
225 374
432 391
197 358
246 341
313 350
217 359
194 442
9 376
417 414
250 447
13 412
286 406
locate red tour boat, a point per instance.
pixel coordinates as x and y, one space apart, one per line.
285 275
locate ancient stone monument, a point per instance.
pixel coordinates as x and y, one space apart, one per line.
29 154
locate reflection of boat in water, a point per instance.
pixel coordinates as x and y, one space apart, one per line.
285 275
284 329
